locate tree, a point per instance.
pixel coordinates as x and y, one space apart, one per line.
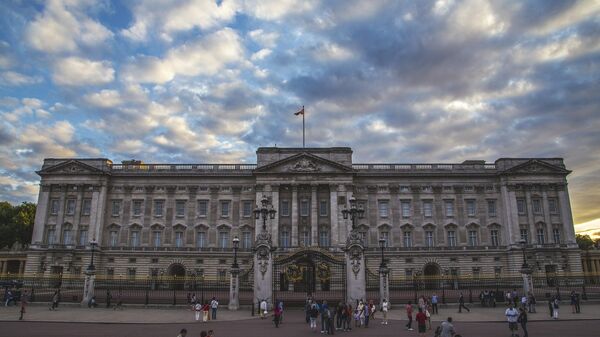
16 223
584 242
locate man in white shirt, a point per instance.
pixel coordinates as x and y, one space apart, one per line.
512 316
214 304
384 309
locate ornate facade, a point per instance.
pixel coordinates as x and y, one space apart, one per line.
178 219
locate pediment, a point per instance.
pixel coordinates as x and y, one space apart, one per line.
304 163
535 166
71 166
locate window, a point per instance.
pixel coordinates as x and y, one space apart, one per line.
285 208
451 238
135 238
473 238
404 189
449 208
524 235
427 188
51 235
304 207
110 273
70 206
67 235
541 237
86 207
469 188
131 273
383 208
305 237
113 238
556 235
476 272
221 275
137 207
537 206
427 208
408 273
247 209
495 238
156 236
386 236
405 204
284 238
323 208
491 208
363 235
429 238
246 240
497 272
521 206
470 207
54 206
180 208
223 239
552 206
201 239
83 233
158 207
178 239
324 238
116 207
202 208
225 209
407 239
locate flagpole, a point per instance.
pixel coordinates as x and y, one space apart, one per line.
303 113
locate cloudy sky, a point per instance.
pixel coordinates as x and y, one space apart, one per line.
202 81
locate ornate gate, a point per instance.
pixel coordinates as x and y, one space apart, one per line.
309 271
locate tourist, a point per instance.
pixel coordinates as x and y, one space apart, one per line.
421 319
313 313
92 302
366 314
276 314
357 313
508 297
371 310
428 313
263 309
461 304
384 310
197 310
524 303
205 309
523 320
531 302
280 305
512 315
348 314
422 302
409 310
324 316
182 333
514 296
24 301
55 299
307 308
434 304
193 299
330 320
214 304
447 329
339 316
551 306
119 302
108 298
555 308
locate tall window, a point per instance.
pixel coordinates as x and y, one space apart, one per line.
246 240
201 239
324 238
556 235
524 234
473 238
223 239
449 208
427 208
537 206
451 238
67 235
386 236
305 237
158 207
156 237
225 209
470 207
405 208
116 207
180 208
304 207
429 238
137 207
83 234
491 208
323 208
407 239
247 209
135 238
521 206
541 237
179 239
70 206
476 272
383 209
202 208
54 206
284 238
495 238
113 238
552 206
131 273
86 207
285 208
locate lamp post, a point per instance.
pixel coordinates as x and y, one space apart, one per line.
382 246
523 245
236 244
354 212
234 300
93 244
525 270
384 283
264 212
90 277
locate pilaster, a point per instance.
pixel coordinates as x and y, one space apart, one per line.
41 214
294 223
314 220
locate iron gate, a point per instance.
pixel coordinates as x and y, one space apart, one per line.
309 272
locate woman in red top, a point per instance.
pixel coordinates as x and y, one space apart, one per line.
421 319
276 315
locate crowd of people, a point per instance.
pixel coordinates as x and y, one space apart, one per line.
208 310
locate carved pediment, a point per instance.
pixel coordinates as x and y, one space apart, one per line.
304 163
535 166
70 167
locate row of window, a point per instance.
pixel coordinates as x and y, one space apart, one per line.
427 208
540 235
536 205
223 239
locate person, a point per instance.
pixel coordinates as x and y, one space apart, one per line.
92 302
577 304
205 309
514 296
366 314
409 310
324 316
211 333
555 308
384 310
422 302
312 315
512 315
214 304
263 309
357 313
371 310
339 316
182 333
307 308
428 314
108 298
524 301
330 320
280 305
197 310
348 314
523 320
447 329
55 299
461 304
203 333
194 299
551 306
24 301
119 304
421 319
276 315
434 304
531 302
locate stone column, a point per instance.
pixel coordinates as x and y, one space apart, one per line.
40 214
333 210
97 211
263 269
356 287
60 219
294 223
566 216
88 286
384 286
530 218
275 222
234 286
527 280
314 220
511 214
3 267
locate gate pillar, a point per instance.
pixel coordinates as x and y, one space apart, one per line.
234 289
356 281
263 269
384 285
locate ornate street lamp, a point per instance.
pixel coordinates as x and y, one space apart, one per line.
523 245
382 246
264 212
354 213
93 244
236 244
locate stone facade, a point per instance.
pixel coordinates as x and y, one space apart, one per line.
174 219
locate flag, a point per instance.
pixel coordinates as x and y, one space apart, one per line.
301 112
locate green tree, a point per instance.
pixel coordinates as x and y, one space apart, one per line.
584 242
16 223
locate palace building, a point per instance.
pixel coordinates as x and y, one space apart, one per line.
462 219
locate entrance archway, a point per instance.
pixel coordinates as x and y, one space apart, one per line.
431 273
177 272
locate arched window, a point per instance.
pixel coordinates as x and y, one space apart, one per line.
384 233
556 233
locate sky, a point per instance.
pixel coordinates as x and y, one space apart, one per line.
200 81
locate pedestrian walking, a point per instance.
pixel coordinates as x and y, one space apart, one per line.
119 304
263 309
330 320
348 315
214 304
366 314
280 305
447 328
555 309
339 316
197 310
307 309
276 315
531 302
523 321
324 316
512 316
421 319
434 304
55 299
409 311
384 310
461 304
205 310
24 301
108 298
313 313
